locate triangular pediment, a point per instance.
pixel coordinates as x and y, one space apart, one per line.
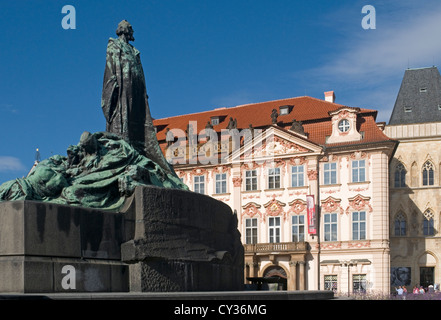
274 142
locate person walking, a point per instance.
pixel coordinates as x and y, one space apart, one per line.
399 291
415 290
404 292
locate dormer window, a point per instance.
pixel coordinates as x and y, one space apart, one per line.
285 110
407 109
423 89
343 125
214 121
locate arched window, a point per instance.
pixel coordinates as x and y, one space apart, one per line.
428 174
428 225
400 176
400 225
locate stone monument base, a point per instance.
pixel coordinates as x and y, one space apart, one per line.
46 275
180 276
56 248
163 240
181 241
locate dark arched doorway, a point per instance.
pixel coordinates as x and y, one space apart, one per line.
276 275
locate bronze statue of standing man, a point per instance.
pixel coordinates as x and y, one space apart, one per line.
124 98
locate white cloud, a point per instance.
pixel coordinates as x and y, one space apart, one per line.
10 164
368 65
8 108
412 42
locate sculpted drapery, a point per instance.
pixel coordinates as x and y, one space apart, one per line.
124 97
105 167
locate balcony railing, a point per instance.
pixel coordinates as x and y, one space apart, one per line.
275 247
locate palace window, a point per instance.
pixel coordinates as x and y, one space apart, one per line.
298 228
428 174
359 283
330 227
250 180
400 225
358 171
251 231
199 184
331 282
343 125
297 176
274 229
330 173
359 225
221 182
400 176
273 178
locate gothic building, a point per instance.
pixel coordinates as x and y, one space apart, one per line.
415 180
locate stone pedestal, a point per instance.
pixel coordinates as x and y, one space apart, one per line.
162 240
42 245
181 241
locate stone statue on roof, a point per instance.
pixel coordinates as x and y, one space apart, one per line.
209 131
124 97
274 116
232 124
169 137
297 126
190 134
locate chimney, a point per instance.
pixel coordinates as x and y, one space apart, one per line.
330 96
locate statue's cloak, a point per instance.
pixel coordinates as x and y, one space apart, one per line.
125 101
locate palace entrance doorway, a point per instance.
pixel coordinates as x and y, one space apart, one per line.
277 276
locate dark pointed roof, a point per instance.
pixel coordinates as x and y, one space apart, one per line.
419 98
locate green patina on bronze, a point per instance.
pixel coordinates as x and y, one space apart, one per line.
105 167
124 98
99 172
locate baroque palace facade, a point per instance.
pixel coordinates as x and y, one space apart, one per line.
308 180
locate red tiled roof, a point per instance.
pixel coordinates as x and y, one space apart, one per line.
314 114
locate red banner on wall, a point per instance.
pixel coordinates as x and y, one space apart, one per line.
310 208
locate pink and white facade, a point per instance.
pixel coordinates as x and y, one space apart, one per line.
315 150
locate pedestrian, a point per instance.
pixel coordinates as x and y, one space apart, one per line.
404 292
415 290
422 290
399 291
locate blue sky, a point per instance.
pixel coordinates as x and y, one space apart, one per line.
199 55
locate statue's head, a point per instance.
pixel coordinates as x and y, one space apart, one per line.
125 29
